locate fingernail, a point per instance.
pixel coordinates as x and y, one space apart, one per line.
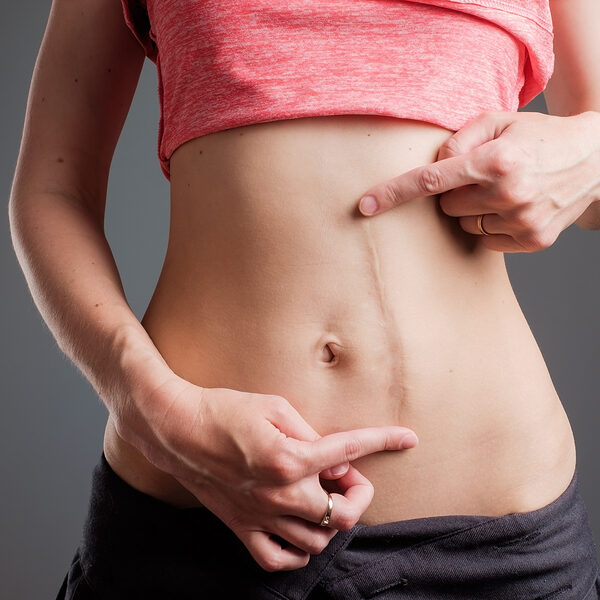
339 469
368 205
409 440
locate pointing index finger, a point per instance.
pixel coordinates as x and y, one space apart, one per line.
346 446
426 180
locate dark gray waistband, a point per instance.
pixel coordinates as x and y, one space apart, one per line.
133 541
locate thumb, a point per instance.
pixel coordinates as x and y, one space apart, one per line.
483 128
336 472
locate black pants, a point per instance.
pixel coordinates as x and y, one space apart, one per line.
135 546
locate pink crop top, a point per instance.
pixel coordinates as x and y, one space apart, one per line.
224 64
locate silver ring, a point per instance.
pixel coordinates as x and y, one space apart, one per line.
327 517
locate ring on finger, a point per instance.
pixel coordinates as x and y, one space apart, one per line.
480 226
327 516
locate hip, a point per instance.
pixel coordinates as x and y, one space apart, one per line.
494 437
134 545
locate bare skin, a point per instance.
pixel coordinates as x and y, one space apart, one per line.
288 334
273 283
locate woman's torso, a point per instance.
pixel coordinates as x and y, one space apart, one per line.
269 260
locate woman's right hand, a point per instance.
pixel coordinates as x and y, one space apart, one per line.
254 462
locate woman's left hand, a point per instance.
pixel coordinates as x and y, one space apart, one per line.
530 174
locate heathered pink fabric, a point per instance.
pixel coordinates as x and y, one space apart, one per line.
224 64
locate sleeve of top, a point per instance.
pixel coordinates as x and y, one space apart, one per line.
138 21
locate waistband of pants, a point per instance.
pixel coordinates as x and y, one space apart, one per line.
497 528
465 535
127 527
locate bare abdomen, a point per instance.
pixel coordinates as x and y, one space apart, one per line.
274 283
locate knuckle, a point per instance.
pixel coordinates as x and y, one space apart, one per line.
528 221
502 160
316 544
550 238
284 467
274 405
270 402
488 115
347 521
271 562
276 409
352 449
430 180
538 240
390 194
514 198
522 193
272 497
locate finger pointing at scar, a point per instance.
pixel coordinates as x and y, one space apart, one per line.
429 180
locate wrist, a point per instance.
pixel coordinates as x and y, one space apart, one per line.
142 373
590 218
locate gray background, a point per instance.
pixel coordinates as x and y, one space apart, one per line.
51 421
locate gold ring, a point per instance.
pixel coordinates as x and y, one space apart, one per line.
480 225
325 520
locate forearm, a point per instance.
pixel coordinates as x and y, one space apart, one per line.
590 218
574 86
75 284
564 106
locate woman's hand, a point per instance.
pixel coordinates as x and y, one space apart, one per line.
531 175
255 463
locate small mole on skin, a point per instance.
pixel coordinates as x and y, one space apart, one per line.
98 304
60 159
109 70
201 152
368 135
43 98
409 148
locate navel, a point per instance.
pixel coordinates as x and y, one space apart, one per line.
328 350
327 354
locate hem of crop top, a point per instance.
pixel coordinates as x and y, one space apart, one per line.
541 59
543 19
422 115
